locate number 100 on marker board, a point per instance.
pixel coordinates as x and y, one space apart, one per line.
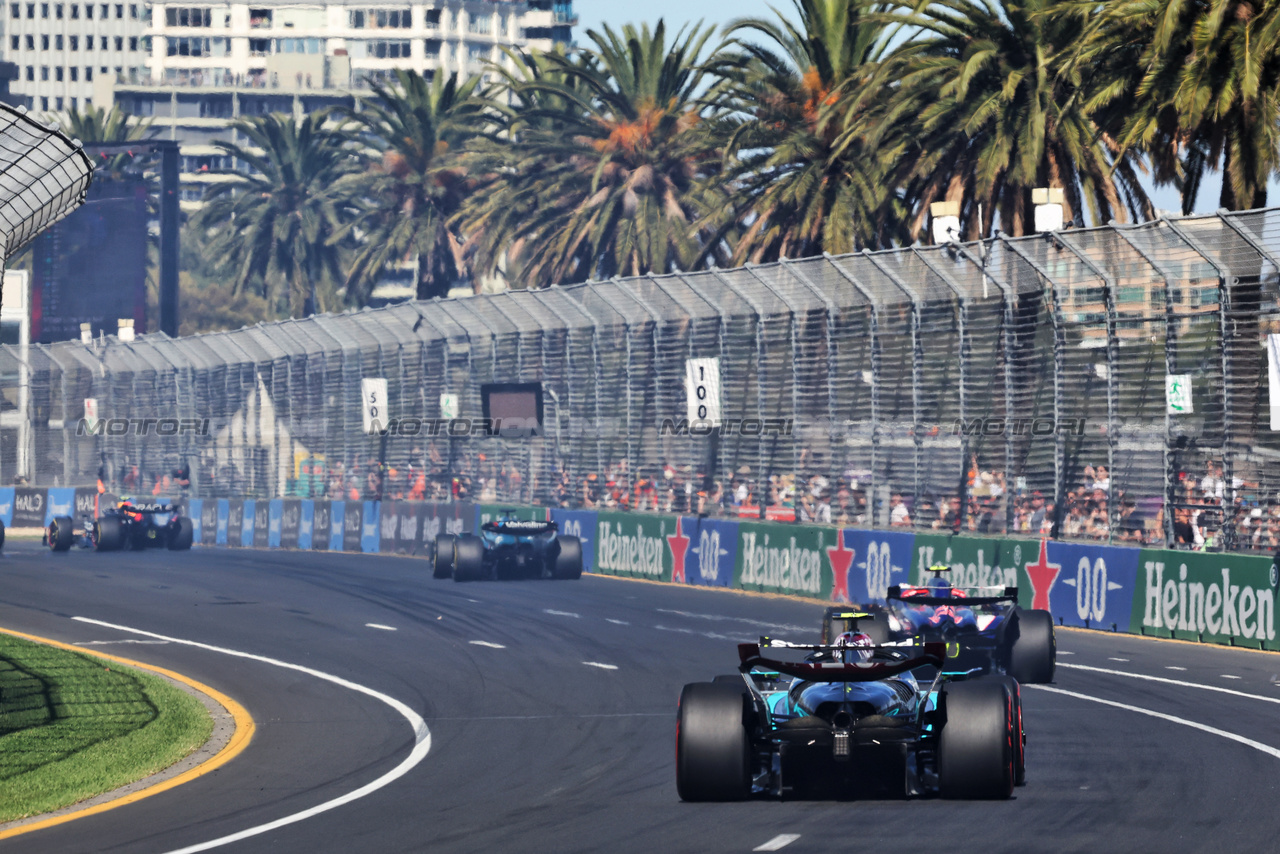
702 387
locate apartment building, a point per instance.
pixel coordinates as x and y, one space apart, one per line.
211 63
63 48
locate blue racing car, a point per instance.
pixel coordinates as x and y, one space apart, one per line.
508 548
851 718
982 628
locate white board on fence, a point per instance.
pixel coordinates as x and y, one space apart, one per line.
373 397
1273 378
450 406
1177 391
702 389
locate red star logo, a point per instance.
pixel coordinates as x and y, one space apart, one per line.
679 548
841 559
1042 575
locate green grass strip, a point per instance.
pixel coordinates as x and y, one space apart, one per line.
73 726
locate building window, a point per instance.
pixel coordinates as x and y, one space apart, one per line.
75 11
14 10
104 42
88 74
104 7
187 17
433 17
481 25
44 42
74 73
314 46
58 101
44 73
259 18
31 42
75 42
477 52
133 11
14 41
119 11
133 42
44 102
57 11
88 13
381 19
388 49
190 46
119 42
57 74
31 73
57 42
259 47
31 10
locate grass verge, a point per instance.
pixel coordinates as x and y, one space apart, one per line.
73 726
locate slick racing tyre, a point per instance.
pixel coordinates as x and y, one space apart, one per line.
442 564
568 564
976 757
1020 735
468 562
59 535
107 534
1033 655
1 534
713 747
182 536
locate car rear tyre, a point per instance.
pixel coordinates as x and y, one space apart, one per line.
1033 656
713 750
60 537
1 534
182 536
976 756
568 565
443 561
108 536
1019 733
468 558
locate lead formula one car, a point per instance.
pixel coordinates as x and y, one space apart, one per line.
508 548
848 720
983 627
131 524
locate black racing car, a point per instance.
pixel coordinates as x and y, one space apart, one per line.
131 524
509 548
862 721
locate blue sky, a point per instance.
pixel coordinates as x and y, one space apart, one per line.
593 13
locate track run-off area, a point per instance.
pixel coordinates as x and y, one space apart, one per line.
395 713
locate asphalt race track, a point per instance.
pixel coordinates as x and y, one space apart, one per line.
563 739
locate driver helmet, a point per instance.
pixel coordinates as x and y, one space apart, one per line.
939 587
857 646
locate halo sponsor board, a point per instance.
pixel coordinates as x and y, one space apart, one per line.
306 523
86 506
879 560
580 524
290 522
261 524
275 519
28 507
389 525
1213 597
222 523
633 545
337 525
784 559
352 525
704 551
1083 585
235 522
369 528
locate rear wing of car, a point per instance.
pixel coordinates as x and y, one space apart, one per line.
986 596
836 671
520 527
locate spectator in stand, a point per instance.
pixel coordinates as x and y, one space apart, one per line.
899 517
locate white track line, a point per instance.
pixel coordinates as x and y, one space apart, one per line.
561 613
489 644
127 640
616 622
1229 676
601 666
1177 682
1175 667
380 626
1248 742
421 738
777 843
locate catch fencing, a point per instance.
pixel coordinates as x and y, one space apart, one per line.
1008 386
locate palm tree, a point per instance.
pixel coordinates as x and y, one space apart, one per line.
802 189
612 141
97 125
416 182
988 103
1198 87
275 223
